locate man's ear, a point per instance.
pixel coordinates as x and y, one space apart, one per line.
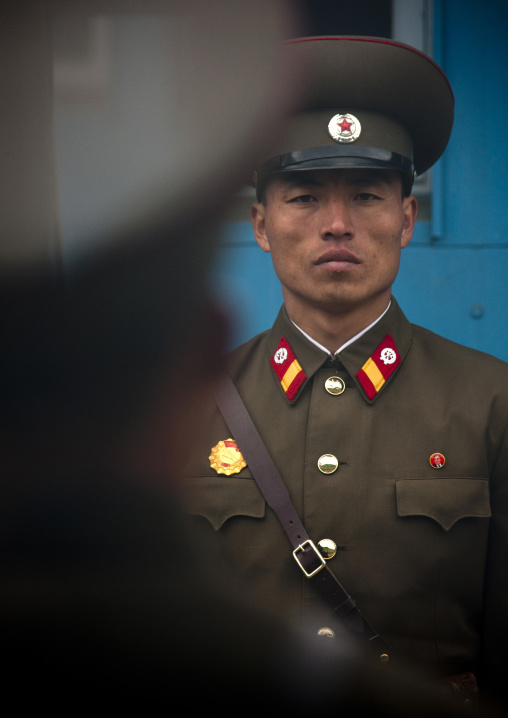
410 209
257 218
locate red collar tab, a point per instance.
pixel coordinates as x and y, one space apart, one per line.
379 367
287 369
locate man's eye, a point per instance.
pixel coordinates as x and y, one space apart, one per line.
303 199
366 196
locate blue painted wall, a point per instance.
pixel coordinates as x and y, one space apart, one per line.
454 274
456 283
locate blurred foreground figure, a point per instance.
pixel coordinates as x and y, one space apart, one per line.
103 601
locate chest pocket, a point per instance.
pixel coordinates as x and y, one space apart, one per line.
446 501
219 499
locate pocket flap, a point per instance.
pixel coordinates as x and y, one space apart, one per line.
444 500
220 499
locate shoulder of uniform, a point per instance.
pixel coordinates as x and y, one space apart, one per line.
443 349
248 351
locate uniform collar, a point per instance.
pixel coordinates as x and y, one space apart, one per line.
354 357
350 341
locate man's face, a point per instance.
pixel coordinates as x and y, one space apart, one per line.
335 238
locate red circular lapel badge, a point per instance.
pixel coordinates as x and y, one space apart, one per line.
437 461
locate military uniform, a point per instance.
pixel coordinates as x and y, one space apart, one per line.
421 542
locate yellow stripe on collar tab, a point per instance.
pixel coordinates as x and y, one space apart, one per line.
287 369
378 367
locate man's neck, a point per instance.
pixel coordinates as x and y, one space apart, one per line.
333 331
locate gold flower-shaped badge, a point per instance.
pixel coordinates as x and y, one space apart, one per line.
226 458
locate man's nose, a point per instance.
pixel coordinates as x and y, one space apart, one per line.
337 220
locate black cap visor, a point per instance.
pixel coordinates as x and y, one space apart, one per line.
330 157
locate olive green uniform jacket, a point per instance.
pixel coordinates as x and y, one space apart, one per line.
423 550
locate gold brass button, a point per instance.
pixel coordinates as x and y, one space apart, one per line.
327 548
326 632
334 385
328 463
384 658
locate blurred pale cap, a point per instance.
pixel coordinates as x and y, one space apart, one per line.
215 105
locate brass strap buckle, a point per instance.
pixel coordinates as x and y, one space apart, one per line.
301 548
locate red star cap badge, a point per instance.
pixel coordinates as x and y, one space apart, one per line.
345 125
344 128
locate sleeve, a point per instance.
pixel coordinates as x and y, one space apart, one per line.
494 658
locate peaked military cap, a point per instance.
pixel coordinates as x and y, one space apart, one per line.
372 102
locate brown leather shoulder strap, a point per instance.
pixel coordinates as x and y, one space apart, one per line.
277 497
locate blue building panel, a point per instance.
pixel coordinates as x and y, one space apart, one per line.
475 58
245 283
458 293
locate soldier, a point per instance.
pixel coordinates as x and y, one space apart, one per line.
396 471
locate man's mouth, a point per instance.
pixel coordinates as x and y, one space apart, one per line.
337 257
